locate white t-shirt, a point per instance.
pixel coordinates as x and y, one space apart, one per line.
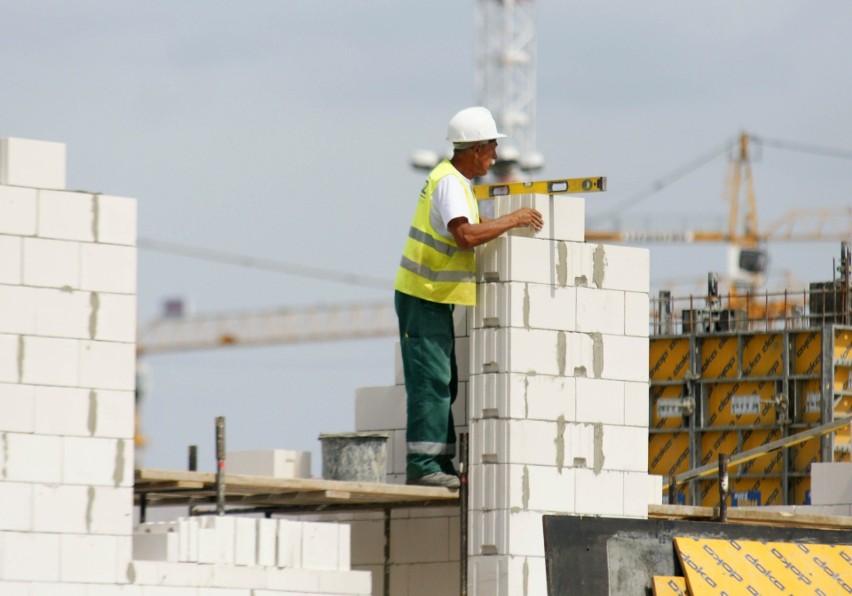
449 201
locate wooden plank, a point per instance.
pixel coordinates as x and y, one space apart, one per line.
261 491
760 516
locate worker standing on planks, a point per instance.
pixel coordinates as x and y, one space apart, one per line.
437 271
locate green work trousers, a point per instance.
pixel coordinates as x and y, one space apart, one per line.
431 383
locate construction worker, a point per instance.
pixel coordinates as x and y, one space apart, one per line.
436 273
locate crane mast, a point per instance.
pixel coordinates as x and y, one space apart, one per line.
505 74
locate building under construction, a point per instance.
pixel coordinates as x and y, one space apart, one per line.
730 373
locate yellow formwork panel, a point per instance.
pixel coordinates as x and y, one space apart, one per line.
719 357
715 442
802 455
669 586
734 404
668 358
807 352
668 453
716 566
771 463
842 344
801 488
763 355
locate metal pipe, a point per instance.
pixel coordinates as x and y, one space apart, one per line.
463 496
193 458
723 487
220 465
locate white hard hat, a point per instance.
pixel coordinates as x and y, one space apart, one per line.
471 125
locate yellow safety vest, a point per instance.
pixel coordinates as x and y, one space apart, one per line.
434 267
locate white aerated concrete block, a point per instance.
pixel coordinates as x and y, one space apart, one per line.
50 361
636 314
506 532
514 258
110 510
188 529
493 395
398 370
534 442
519 350
600 493
10 358
28 162
62 313
625 358
600 311
32 458
108 268
564 215
528 305
320 546
11 269
636 489
636 404
17 510
52 263
17 408
462 349
18 211
831 483
114 413
610 267
289 544
66 215
61 509
155 546
245 541
18 314
380 408
95 461
367 542
600 400
521 487
107 365
29 556
267 531
625 448
216 539
62 411
462 316
112 317
94 559
278 463
116 221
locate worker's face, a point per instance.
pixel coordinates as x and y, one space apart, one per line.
486 153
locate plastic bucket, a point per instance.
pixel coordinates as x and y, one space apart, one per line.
360 457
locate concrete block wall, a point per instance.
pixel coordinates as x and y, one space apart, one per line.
67 368
67 380
553 360
558 394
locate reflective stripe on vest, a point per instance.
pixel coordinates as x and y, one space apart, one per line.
434 267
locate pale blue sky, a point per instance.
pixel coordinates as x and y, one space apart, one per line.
282 129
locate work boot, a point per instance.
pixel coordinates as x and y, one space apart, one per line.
436 479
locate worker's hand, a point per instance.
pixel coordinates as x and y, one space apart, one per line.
528 217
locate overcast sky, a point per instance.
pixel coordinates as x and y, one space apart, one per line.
282 130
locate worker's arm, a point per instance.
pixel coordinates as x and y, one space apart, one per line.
468 235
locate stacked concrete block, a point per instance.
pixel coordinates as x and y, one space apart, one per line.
245 542
67 368
558 391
